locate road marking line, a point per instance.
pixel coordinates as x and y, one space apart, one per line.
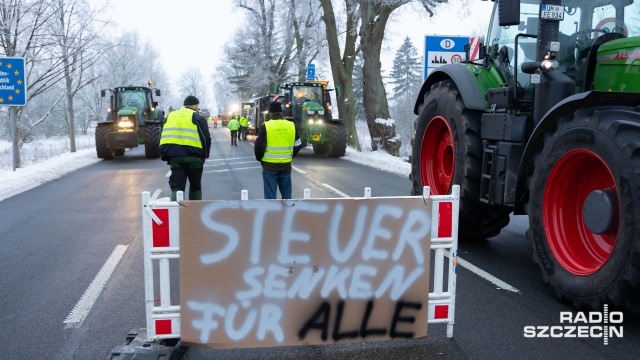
168 174
155 195
336 190
298 170
82 308
234 169
483 274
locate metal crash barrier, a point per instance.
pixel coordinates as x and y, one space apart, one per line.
161 236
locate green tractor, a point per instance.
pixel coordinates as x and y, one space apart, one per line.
133 119
309 105
546 123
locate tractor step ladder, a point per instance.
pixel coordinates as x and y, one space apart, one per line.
161 237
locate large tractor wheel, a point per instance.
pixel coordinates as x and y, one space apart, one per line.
320 149
584 209
337 147
101 142
447 151
152 141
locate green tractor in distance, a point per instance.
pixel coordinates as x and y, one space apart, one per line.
546 123
133 118
309 105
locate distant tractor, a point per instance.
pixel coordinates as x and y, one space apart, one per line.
546 122
133 119
261 108
309 105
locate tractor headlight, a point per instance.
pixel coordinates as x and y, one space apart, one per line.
549 65
310 121
125 124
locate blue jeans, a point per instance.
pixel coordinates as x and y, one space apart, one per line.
274 179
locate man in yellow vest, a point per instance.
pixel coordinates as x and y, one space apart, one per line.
185 144
244 127
233 126
277 143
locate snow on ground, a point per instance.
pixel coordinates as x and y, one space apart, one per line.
42 166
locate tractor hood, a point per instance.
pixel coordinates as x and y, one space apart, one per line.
128 110
312 106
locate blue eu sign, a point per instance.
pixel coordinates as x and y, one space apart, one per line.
311 72
13 84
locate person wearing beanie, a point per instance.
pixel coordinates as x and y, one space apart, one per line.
185 143
275 146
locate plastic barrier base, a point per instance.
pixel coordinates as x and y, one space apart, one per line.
137 347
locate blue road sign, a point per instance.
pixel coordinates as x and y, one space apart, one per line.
311 72
13 84
442 50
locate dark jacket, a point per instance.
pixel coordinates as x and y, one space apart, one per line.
261 147
171 150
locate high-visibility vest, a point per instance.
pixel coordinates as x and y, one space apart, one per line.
281 137
233 124
180 129
244 122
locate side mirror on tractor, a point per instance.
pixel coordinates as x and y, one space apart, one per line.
157 92
103 93
509 12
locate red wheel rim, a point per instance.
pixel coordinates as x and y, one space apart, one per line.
574 176
437 156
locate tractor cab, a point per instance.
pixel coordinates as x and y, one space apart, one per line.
582 26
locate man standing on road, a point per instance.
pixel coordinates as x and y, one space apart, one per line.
185 144
233 126
276 145
244 127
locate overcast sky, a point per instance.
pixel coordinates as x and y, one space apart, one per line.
193 32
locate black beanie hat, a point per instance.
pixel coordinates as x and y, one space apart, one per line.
191 100
275 107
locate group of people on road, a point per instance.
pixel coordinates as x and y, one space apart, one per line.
185 144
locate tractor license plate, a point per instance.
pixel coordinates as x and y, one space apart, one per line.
124 118
552 12
316 137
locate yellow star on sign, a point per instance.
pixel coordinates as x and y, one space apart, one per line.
19 82
8 66
17 91
0 63
10 98
1 100
16 72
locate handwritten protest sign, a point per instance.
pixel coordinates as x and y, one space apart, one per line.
259 273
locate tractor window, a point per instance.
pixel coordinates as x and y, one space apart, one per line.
134 98
302 94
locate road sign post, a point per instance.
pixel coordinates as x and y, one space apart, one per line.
311 72
442 50
13 92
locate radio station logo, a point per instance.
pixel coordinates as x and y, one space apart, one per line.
592 324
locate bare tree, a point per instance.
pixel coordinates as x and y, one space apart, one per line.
374 17
342 64
76 28
191 83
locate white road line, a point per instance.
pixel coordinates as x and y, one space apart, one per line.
483 274
235 158
234 169
168 174
155 195
298 170
335 190
82 308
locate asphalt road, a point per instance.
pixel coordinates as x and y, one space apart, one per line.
56 238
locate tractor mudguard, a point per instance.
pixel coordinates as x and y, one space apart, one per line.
465 81
549 121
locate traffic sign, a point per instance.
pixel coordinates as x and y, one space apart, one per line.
311 72
13 84
442 50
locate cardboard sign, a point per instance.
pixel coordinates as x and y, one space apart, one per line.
260 273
